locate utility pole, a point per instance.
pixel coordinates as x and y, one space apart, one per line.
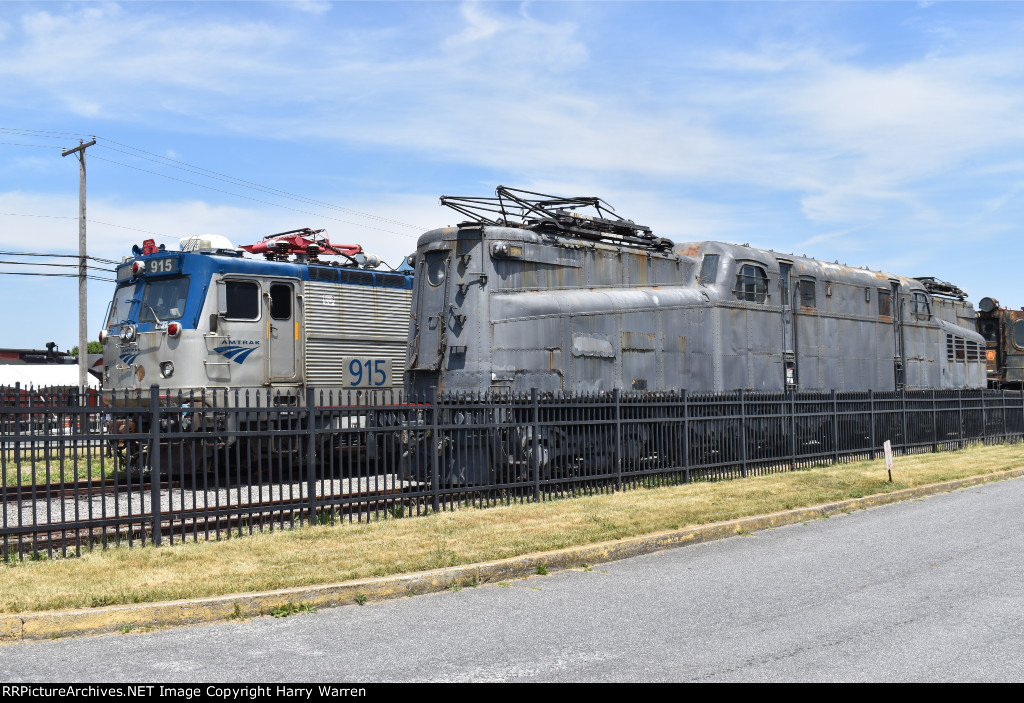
83 310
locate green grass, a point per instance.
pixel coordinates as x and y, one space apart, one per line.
346 551
43 466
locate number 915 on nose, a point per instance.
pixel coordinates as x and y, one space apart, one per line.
362 372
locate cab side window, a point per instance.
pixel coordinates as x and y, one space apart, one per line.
751 284
884 303
243 300
281 301
709 268
919 307
808 292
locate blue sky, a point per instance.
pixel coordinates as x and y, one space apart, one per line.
888 135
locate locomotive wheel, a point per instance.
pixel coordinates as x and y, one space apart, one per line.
548 452
128 454
275 455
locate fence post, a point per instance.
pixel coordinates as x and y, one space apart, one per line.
906 439
535 440
618 439
310 456
792 429
154 463
435 446
686 439
743 433
1002 409
871 419
935 425
17 427
984 419
835 428
960 414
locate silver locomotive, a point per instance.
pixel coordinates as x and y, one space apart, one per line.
563 296
533 292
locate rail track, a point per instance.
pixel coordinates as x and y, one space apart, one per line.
199 523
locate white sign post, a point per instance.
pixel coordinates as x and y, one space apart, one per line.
888 457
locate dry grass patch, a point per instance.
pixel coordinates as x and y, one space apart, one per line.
329 554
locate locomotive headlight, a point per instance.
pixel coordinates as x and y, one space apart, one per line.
499 249
166 369
128 333
138 268
988 304
173 330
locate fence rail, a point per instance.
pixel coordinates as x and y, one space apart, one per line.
152 468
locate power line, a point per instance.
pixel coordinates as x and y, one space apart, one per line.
216 175
91 221
265 202
55 275
61 256
18 130
37 146
40 263
161 160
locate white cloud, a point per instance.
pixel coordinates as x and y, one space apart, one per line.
311 6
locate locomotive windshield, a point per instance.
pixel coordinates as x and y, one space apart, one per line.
124 296
164 299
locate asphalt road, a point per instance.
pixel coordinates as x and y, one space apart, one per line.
928 590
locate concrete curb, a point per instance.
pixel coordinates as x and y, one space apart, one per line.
128 618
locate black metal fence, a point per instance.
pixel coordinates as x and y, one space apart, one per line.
141 468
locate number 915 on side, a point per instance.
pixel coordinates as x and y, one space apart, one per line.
367 373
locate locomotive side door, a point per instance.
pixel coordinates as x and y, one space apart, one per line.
786 292
282 331
431 312
899 355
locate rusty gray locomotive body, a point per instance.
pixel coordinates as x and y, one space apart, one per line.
564 302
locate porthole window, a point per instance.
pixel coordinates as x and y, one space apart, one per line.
751 284
1018 334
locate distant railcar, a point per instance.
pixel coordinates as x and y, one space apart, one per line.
1003 330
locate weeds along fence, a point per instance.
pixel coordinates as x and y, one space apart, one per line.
151 468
